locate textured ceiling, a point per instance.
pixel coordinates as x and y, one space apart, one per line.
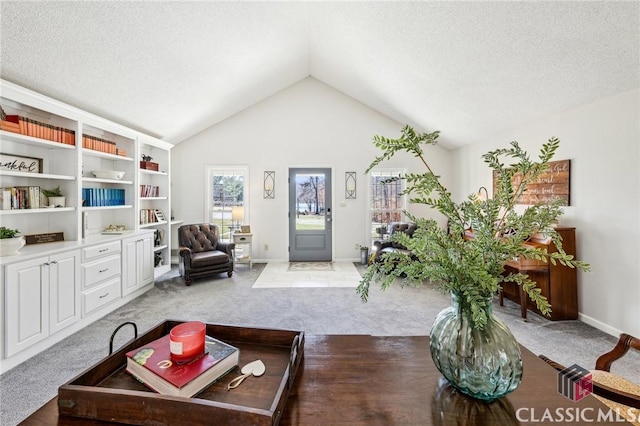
468 69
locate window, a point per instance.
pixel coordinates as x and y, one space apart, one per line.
386 201
226 189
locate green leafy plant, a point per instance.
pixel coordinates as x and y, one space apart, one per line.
8 233
56 192
473 269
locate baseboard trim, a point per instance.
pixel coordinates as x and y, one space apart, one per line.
599 325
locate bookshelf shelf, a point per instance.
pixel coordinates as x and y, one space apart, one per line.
36 175
98 180
152 172
89 208
33 211
106 155
151 224
30 140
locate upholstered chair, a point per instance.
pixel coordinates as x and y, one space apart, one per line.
614 390
202 253
380 247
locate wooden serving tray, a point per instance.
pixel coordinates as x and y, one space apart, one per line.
107 392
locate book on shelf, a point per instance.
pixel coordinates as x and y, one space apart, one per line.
20 198
151 364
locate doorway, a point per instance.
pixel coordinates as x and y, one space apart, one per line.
310 215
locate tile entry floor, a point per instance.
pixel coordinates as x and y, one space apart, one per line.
278 275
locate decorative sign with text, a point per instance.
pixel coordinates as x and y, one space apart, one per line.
50 237
554 184
19 163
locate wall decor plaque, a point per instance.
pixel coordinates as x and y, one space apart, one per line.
554 184
49 237
19 163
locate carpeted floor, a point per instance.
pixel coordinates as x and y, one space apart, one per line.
333 310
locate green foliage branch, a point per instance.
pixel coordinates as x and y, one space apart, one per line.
55 192
8 233
472 269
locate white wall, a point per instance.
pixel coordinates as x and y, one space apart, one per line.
308 124
602 141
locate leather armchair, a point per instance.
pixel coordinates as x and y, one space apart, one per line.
202 253
389 245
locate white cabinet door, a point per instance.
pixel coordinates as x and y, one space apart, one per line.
137 260
129 265
42 297
145 260
64 291
27 304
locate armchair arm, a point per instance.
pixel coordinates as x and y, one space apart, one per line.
226 247
625 342
616 395
185 254
379 245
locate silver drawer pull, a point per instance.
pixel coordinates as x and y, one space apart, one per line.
104 295
103 250
103 270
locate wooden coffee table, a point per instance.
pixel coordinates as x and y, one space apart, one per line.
371 380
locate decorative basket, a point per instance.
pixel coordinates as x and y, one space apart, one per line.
149 165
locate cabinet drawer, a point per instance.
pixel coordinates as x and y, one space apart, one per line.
97 297
100 270
100 250
242 239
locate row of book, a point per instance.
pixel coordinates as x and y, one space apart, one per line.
102 145
151 216
101 197
21 197
149 191
40 130
151 364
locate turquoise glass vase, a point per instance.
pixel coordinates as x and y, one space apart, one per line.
483 363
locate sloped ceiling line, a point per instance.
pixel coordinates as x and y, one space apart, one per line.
468 69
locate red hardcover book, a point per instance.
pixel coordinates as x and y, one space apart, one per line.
151 364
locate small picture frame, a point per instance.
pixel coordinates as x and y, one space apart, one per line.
160 216
245 229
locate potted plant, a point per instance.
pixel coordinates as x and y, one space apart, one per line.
471 347
10 241
55 197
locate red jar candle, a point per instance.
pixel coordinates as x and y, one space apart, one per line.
186 340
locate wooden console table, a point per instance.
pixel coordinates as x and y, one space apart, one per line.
370 380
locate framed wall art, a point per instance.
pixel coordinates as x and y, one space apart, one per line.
19 163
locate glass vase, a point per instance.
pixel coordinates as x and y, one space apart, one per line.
483 363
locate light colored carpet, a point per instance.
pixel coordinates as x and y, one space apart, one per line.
308 274
220 300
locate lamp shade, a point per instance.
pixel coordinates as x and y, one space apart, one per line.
237 213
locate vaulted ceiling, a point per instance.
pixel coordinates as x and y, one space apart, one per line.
468 69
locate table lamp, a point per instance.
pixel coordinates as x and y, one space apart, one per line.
237 216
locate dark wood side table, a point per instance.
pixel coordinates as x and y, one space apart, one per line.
372 380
